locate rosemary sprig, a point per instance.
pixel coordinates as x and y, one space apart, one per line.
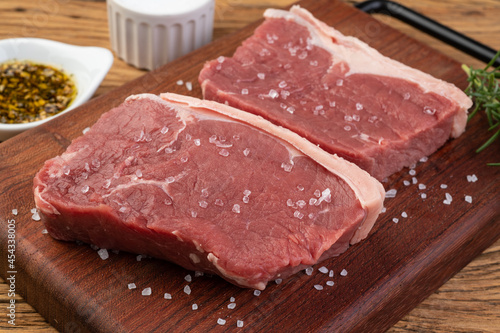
484 89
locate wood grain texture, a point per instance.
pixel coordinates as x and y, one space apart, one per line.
460 305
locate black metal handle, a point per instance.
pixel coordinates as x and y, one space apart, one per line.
431 27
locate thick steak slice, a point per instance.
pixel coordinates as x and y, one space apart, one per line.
208 187
337 92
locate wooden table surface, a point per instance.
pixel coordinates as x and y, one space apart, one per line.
469 302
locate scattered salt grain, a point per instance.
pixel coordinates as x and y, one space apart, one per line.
187 289
395 220
167 296
232 299
194 306
131 286
471 178
85 189
103 253
219 202
443 186
138 173
383 210
414 180
221 321
146 292
198 273
391 193
421 187
189 86
423 195
236 209
404 214
203 204
224 152
94 247
343 273
323 270
330 283
33 210
180 83
188 278
261 76
14 211
138 257
44 231
309 270
406 182
318 287
197 142
231 306
330 273
244 91
239 323
273 93
298 215
424 159
278 281
359 106
256 292
300 187
468 198
246 151
164 130
85 130
36 216
412 172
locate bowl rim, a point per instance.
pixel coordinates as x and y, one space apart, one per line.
102 55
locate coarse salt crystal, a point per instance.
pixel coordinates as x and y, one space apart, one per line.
45 231
36 216
103 253
414 180
194 306
471 178
246 193
383 210
278 281
231 306
246 151
395 220
167 296
219 202
343 273
448 197
468 198
146 292
131 286
221 321
447 202
224 152
359 106
443 186
298 215
404 214
391 193
323 270
85 189
421 187
261 76
239 323
85 130
188 278
232 299
330 283
189 86
412 172
309 270
236 209
180 82
406 182
203 204
244 91
424 159
256 292
138 173
330 273
138 257
187 289
198 273
423 195
14 211
273 94
318 287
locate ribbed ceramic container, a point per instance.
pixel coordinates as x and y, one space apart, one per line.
149 33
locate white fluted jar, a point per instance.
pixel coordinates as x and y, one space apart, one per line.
150 33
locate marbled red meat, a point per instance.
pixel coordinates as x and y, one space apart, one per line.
337 92
208 187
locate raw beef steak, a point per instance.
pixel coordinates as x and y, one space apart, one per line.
208 187
337 92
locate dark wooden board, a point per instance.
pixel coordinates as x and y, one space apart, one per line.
395 268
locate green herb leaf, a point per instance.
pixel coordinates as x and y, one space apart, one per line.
484 89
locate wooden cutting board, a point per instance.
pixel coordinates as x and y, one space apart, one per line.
388 274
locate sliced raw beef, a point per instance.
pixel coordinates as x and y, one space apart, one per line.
337 92
208 187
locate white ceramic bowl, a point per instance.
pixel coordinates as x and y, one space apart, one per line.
86 64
